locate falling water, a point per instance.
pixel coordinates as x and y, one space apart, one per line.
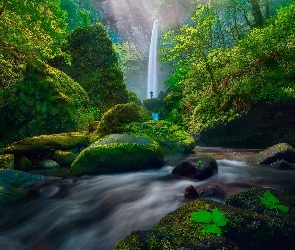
152 88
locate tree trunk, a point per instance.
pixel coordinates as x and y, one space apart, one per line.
267 9
256 12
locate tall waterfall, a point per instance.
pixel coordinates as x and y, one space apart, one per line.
152 88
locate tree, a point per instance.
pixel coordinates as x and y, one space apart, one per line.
28 29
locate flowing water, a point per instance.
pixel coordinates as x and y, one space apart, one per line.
152 86
94 212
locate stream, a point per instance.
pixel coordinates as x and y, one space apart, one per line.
95 212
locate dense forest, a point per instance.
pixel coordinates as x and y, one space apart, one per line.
63 63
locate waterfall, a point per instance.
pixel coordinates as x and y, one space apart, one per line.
152 87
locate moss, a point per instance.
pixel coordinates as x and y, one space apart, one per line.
102 156
49 142
7 161
120 115
132 97
168 135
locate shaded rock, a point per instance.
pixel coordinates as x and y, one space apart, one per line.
118 153
49 142
23 163
249 200
48 164
191 193
281 151
13 184
153 104
7 161
282 164
212 190
197 168
64 158
170 136
244 229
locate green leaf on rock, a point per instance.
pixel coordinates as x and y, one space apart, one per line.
219 218
202 216
282 208
212 229
270 197
267 203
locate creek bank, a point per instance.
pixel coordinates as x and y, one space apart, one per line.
254 228
263 126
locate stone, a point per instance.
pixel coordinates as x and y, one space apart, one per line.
48 164
191 193
49 142
23 163
244 229
212 190
281 151
64 158
197 168
7 161
118 153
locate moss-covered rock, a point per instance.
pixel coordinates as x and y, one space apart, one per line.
46 102
170 136
13 184
64 158
22 163
118 153
7 161
243 230
113 119
153 104
49 142
281 151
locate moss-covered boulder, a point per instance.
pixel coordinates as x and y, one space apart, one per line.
46 102
274 154
170 136
243 229
64 158
7 161
115 118
22 163
49 142
153 104
118 153
13 184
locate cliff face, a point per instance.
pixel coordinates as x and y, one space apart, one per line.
264 126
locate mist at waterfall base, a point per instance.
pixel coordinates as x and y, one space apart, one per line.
94 212
152 83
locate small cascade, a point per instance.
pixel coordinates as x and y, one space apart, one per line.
155 116
152 87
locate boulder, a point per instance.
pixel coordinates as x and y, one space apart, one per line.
64 158
191 193
197 168
48 164
13 184
22 163
170 136
118 153
153 104
49 142
212 190
242 229
281 151
7 161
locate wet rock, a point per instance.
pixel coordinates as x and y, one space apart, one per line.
282 164
7 161
212 190
191 193
197 168
64 158
118 153
244 229
281 151
23 163
48 164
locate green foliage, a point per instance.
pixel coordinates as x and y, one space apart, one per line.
272 202
94 66
217 84
200 163
28 29
217 217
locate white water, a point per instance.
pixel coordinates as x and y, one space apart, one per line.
152 85
95 212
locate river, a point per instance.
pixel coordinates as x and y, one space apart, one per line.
94 212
